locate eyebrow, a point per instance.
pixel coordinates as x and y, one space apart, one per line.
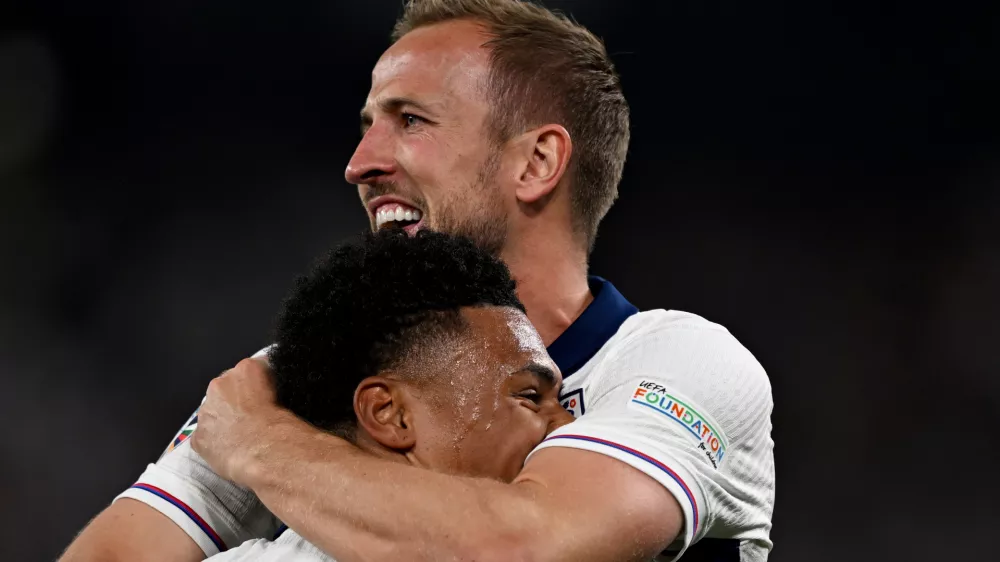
392 105
543 373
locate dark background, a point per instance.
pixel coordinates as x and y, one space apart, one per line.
823 178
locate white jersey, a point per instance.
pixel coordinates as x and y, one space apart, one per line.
216 513
680 399
669 393
289 547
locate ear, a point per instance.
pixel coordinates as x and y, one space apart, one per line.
545 155
380 405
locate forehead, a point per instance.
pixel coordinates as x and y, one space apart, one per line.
507 336
441 64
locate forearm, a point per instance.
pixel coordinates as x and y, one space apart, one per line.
357 507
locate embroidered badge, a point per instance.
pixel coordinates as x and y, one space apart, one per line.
572 402
651 396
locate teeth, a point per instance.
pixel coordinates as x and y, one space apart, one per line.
398 214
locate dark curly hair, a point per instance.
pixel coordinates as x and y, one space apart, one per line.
365 305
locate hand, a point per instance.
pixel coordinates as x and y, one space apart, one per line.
237 419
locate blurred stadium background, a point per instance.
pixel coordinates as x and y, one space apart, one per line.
823 178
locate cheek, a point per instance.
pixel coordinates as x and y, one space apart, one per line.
523 432
440 438
428 158
415 157
448 168
433 173
533 428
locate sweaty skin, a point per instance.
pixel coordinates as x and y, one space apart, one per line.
476 411
478 382
425 144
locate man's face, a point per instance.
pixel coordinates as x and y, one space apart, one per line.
493 398
425 159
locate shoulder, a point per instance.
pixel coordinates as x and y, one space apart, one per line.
680 399
652 322
700 358
674 335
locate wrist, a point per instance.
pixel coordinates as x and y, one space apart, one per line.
273 441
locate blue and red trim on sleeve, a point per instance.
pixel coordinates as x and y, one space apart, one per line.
192 514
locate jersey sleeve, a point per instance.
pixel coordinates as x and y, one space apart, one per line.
688 405
216 513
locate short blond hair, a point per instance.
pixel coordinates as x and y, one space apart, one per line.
546 68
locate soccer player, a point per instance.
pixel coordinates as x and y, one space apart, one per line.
418 352
502 121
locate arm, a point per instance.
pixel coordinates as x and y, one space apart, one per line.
671 455
130 530
567 504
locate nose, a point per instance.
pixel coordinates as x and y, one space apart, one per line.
558 417
372 158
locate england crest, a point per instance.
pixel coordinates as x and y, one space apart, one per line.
572 402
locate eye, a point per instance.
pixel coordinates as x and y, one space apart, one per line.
410 120
531 394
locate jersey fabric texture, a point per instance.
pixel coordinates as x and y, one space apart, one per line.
667 392
289 547
680 399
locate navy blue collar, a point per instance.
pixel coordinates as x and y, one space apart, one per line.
588 334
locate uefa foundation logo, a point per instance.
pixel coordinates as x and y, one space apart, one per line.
652 396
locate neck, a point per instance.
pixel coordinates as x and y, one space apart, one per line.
551 282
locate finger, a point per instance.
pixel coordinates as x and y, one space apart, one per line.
215 392
251 364
253 373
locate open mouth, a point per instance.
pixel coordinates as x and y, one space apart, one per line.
397 215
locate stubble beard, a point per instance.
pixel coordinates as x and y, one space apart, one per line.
483 219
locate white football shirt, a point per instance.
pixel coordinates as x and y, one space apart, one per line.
669 393
289 547
679 398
